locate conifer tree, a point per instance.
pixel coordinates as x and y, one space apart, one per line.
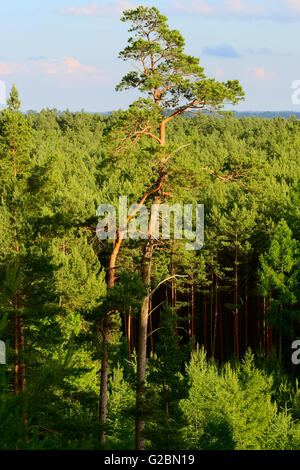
167 385
279 279
14 193
175 83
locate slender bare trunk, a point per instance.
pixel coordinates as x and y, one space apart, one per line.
151 326
104 378
129 333
280 343
236 308
193 311
213 349
246 311
142 347
16 351
189 315
264 326
165 389
142 332
162 128
105 336
22 363
211 309
221 329
258 333
173 282
205 323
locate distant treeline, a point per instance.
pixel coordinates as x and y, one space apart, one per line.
258 114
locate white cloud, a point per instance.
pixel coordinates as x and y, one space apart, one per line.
66 66
240 7
8 68
225 8
259 73
280 10
293 4
195 6
98 9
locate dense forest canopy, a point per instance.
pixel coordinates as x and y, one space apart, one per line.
140 343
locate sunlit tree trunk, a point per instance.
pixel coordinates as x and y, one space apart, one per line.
151 326
142 331
106 322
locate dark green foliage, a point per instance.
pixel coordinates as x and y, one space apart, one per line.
167 385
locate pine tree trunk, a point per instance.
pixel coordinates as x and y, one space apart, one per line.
173 282
211 311
104 378
246 311
205 323
142 348
193 311
129 334
142 332
105 336
221 329
151 326
162 128
264 327
258 333
166 407
22 363
189 316
16 351
215 319
236 309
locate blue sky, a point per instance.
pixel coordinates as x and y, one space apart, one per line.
64 53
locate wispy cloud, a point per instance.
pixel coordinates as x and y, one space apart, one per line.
66 66
261 51
293 4
226 8
227 52
280 10
277 10
219 72
194 6
98 9
259 73
241 7
37 58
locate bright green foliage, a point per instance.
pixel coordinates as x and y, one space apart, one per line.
121 401
279 275
172 78
231 408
